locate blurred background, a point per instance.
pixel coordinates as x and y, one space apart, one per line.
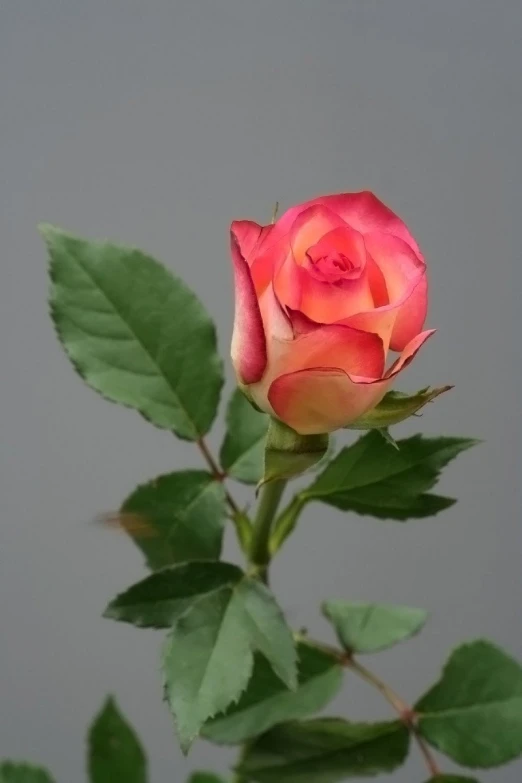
155 124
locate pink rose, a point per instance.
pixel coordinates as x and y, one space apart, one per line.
322 295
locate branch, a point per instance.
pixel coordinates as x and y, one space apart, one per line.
405 712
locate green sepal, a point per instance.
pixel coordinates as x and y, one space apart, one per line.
289 454
395 407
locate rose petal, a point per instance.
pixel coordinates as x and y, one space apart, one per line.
345 246
350 350
405 277
276 322
309 227
362 211
325 303
262 248
354 351
247 234
324 399
301 324
409 353
411 316
379 321
248 351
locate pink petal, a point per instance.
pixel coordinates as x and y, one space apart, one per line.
380 321
405 277
409 353
321 399
249 354
324 399
276 322
247 234
353 351
309 227
325 303
411 316
362 211
262 248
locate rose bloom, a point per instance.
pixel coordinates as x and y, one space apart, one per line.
321 296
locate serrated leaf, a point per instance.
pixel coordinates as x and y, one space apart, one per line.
474 713
451 779
209 654
161 598
267 702
366 628
185 515
396 407
114 751
325 751
20 772
205 777
288 454
243 449
135 332
372 478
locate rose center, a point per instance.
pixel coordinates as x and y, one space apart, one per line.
333 267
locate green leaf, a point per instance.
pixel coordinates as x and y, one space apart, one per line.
205 777
243 449
114 751
395 407
371 477
366 628
135 332
266 702
451 779
209 654
289 454
474 713
326 751
20 772
161 598
184 514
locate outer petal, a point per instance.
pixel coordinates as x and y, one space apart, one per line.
321 400
262 248
325 399
363 211
349 350
248 351
247 234
411 316
409 353
405 277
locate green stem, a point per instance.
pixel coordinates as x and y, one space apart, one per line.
286 523
238 777
405 712
259 556
259 545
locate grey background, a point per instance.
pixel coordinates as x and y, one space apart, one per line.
156 123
